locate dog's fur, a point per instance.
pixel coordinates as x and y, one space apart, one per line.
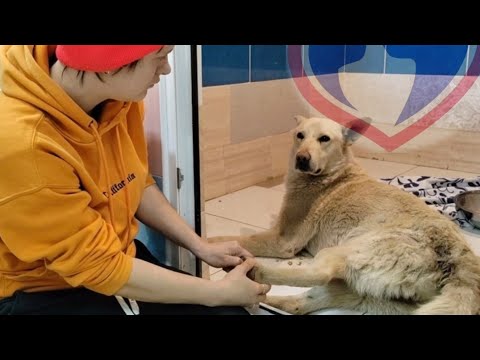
374 248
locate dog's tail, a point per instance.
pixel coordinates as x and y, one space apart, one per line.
460 293
452 300
460 278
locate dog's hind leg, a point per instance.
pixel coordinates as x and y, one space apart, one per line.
327 265
338 295
335 294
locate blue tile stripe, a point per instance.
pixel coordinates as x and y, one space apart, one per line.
323 59
269 62
429 59
225 64
364 59
234 64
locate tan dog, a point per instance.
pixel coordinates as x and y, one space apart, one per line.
374 248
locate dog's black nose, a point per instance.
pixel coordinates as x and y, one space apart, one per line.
303 162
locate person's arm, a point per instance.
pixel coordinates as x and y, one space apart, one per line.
156 212
155 284
59 229
151 283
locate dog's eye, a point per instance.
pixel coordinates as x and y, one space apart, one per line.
300 136
324 138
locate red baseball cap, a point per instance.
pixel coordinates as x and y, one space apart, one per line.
101 58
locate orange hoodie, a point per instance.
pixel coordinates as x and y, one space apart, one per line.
69 185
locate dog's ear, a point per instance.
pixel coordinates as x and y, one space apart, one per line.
355 129
299 119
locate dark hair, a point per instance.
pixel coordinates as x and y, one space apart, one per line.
81 73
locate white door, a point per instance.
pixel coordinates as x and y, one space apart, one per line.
179 119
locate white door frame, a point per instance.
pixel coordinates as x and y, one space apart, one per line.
177 148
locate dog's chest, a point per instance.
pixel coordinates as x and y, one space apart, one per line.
330 219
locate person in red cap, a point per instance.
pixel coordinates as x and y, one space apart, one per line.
75 182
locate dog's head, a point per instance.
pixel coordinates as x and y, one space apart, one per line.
321 145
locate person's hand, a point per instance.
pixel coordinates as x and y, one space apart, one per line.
239 290
223 255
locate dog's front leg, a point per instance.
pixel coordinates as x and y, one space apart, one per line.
268 243
327 265
296 271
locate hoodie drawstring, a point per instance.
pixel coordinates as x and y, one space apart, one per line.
122 164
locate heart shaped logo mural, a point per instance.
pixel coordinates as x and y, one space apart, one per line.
424 91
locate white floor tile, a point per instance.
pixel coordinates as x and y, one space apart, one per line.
219 226
218 275
255 206
280 187
213 271
473 238
429 171
383 169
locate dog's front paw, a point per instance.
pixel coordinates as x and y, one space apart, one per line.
257 274
285 303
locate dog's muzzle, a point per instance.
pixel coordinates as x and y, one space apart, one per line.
303 162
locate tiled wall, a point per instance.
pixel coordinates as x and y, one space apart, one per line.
236 64
249 100
373 80
228 166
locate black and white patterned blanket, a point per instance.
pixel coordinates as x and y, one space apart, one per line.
438 193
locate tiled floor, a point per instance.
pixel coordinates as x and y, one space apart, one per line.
255 208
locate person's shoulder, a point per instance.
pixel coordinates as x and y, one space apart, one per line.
18 120
21 124
18 123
